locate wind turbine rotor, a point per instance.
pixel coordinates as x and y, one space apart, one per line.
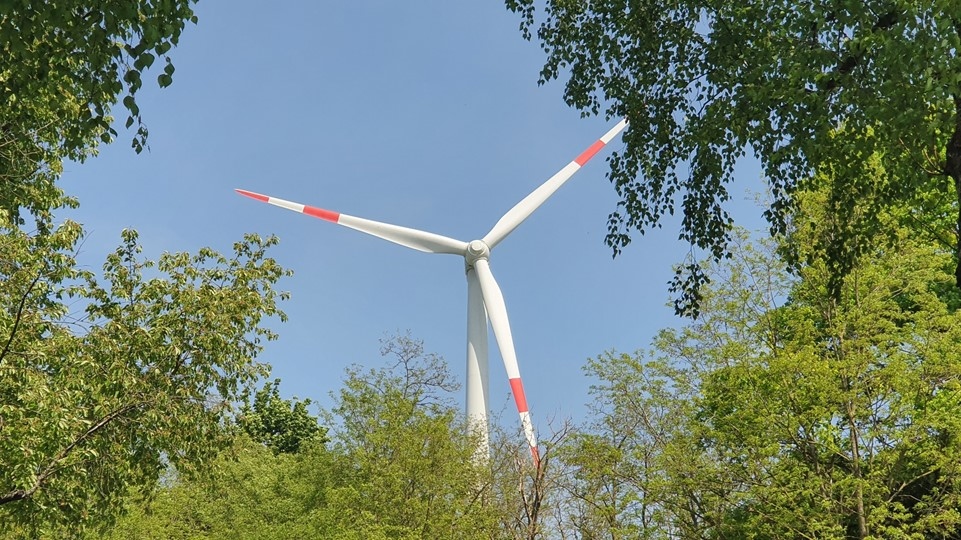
407 237
522 210
484 299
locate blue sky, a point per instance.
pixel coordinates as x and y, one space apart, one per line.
422 114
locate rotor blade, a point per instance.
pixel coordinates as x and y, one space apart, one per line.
522 210
412 238
497 312
477 368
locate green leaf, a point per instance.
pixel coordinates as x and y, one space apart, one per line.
144 61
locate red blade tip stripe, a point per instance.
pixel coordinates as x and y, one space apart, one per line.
321 213
252 195
517 388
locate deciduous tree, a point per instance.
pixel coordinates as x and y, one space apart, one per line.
63 68
805 86
785 411
93 406
282 425
398 465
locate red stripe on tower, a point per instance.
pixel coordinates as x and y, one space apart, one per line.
517 388
586 155
321 213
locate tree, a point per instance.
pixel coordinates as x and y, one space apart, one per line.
282 425
785 411
63 68
804 86
408 463
526 499
93 407
613 477
399 466
248 491
66 64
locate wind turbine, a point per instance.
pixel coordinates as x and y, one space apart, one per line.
484 298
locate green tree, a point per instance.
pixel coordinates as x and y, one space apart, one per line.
97 405
527 501
409 470
247 492
786 411
612 475
804 86
63 67
65 64
398 466
282 425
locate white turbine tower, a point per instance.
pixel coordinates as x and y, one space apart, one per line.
484 298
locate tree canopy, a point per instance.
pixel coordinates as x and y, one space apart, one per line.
398 465
63 68
784 411
817 395
106 378
805 86
93 404
282 425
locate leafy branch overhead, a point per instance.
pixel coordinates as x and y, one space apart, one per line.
63 68
804 86
66 64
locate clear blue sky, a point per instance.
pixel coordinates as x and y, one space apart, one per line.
423 114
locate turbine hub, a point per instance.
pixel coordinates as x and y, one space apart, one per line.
477 250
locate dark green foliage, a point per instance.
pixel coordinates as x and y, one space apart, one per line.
808 87
66 64
63 67
282 425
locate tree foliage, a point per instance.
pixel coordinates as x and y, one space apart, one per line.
398 466
105 380
282 425
410 472
526 500
786 412
94 405
805 86
63 68
249 491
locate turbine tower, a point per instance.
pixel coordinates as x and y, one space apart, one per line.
485 303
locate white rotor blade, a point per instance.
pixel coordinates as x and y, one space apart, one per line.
522 210
477 367
412 238
497 312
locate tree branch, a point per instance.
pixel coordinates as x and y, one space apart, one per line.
19 317
52 467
